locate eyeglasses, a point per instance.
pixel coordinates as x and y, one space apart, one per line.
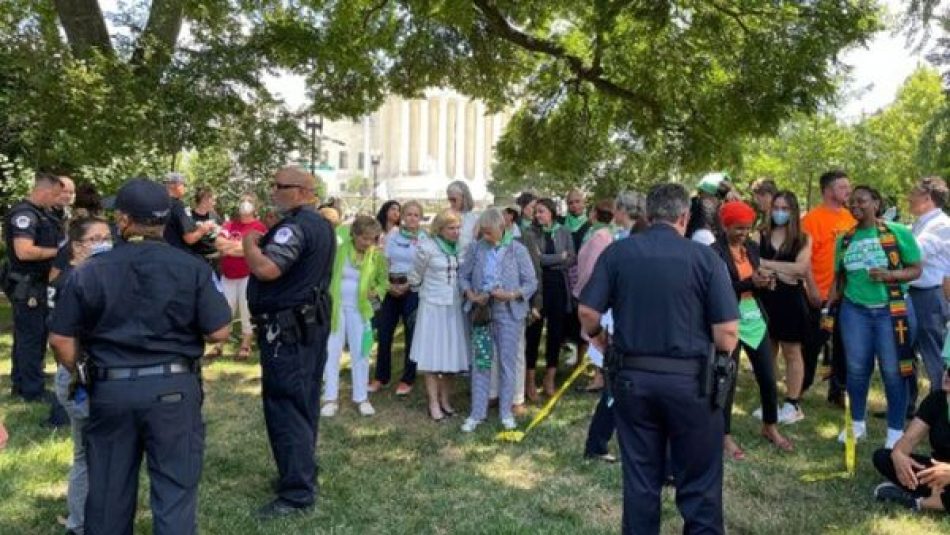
278 185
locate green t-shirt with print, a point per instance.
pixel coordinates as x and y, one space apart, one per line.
865 252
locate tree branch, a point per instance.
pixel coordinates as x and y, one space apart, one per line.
157 43
84 25
498 24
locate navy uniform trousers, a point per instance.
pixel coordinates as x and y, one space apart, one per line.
159 416
292 377
652 409
29 348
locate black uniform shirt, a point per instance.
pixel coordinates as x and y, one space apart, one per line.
302 246
27 220
179 223
141 304
666 292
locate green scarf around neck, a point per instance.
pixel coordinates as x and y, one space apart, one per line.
574 222
449 248
552 229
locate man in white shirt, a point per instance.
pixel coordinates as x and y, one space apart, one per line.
932 230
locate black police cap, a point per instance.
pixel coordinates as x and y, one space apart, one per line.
140 198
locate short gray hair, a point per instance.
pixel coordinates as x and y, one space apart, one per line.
667 202
630 202
492 218
460 187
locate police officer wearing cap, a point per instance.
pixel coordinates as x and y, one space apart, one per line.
133 321
32 238
672 302
287 295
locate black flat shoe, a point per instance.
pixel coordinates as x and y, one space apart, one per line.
279 509
448 412
605 457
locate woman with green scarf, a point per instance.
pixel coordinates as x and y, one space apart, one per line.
358 283
742 258
557 257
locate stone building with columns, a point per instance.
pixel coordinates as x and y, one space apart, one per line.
421 144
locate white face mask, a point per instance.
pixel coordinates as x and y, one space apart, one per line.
246 208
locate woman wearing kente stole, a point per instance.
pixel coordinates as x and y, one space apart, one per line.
874 262
358 283
742 258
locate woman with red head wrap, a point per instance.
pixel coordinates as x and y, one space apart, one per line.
741 256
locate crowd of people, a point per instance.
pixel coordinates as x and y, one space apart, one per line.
831 291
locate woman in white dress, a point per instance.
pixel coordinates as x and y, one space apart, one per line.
440 345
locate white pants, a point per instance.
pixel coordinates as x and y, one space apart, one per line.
235 291
519 375
350 330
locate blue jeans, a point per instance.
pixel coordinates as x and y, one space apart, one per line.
867 332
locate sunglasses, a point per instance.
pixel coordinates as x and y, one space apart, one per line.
278 185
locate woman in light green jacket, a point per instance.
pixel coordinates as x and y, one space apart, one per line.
358 284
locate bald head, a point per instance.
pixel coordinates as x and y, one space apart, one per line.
293 187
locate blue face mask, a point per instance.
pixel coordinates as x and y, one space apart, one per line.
780 217
99 248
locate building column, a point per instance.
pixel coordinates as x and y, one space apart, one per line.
479 141
423 133
442 157
460 138
404 132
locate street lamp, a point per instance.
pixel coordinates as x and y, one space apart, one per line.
374 160
313 125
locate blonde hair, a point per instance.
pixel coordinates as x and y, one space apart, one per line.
331 214
443 219
412 204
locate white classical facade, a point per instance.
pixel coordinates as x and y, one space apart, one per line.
422 144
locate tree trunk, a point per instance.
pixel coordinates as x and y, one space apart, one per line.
155 46
85 27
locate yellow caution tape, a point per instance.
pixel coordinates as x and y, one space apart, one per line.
849 451
518 436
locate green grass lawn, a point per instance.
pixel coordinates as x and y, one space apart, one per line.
400 473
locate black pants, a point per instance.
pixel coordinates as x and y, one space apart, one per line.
602 426
159 417
29 347
554 314
651 410
884 465
292 375
812 349
764 369
387 318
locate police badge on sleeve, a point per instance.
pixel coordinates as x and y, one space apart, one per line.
283 235
22 222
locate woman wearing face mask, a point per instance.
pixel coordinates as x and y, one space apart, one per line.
88 237
786 255
741 256
874 261
235 272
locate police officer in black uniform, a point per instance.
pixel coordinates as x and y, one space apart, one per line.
32 238
139 315
181 231
287 294
672 302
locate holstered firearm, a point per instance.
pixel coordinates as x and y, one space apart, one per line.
612 365
724 371
22 286
83 376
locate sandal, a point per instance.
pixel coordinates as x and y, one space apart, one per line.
779 442
435 418
244 353
734 451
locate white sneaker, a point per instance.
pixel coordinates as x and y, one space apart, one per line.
329 409
509 424
569 354
860 432
758 414
470 425
366 408
893 435
790 414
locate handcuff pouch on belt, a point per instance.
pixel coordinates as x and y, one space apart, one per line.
298 324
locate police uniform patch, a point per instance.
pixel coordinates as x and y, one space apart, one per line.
22 222
283 235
